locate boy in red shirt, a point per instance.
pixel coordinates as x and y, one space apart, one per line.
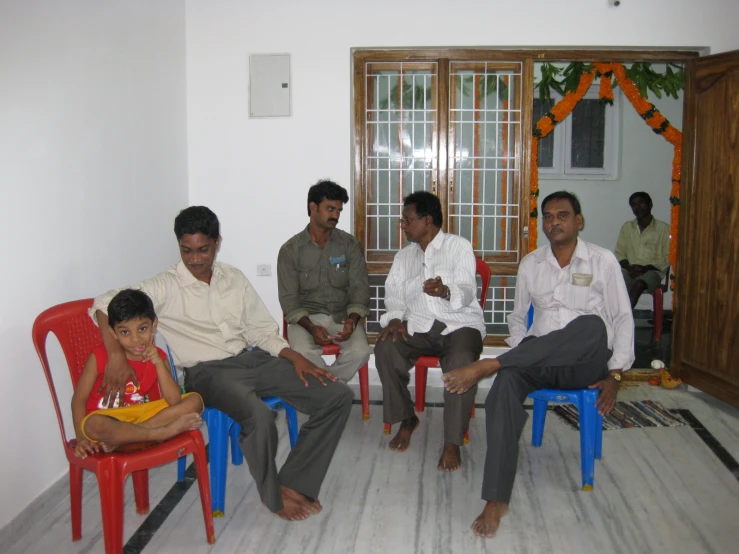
132 419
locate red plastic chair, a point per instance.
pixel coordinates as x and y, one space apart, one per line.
78 335
658 305
333 350
425 362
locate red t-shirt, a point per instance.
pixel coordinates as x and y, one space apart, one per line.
146 373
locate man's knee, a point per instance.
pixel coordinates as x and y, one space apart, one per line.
589 323
384 349
340 394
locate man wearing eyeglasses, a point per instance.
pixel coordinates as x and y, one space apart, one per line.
582 336
432 310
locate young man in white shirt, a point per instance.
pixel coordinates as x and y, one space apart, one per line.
432 310
582 336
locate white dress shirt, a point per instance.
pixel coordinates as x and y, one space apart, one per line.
203 322
557 301
449 257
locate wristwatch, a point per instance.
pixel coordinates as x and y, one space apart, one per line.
616 375
448 294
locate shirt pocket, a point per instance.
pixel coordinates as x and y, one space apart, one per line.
338 275
578 297
308 280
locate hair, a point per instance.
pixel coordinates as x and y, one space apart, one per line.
563 195
328 190
426 204
130 304
641 194
194 220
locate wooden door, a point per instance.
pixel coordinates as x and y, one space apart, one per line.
705 349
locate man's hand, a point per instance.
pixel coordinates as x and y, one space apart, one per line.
305 368
117 373
636 270
320 335
84 448
608 391
349 326
434 287
394 328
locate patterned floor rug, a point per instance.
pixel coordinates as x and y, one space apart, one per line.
642 413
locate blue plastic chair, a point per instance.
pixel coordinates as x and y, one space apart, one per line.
221 430
591 422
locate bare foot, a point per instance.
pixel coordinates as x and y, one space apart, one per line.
293 508
312 504
107 447
451 458
487 523
401 441
460 380
186 422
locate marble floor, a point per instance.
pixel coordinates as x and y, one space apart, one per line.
656 490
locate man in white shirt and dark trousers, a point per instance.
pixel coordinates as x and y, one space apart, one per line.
232 354
432 310
582 336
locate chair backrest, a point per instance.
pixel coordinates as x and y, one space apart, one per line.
483 270
77 335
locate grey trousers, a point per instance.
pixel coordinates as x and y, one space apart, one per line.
571 358
354 353
235 385
395 359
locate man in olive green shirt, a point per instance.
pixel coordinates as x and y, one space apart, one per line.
642 248
323 285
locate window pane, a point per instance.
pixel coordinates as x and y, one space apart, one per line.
588 134
546 144
401 128
484 119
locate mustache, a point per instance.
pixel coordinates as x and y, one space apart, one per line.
336 220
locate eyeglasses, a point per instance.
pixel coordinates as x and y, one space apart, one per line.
404 221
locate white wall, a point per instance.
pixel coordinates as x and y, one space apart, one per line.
255 172
93 169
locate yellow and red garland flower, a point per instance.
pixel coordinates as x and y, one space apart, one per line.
649 113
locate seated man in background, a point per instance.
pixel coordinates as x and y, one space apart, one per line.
232 354
642 248
432 310
323 285
582 336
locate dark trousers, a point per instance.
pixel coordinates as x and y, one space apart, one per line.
235 385
571 358
395 359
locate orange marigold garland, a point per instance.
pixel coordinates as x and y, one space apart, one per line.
534 194
544 126
660 125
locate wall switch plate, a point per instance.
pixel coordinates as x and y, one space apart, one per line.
264 270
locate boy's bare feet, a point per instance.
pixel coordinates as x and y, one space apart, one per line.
451 458
487 523
186 422
462 379
401 441
295 506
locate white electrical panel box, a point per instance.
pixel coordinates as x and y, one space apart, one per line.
269 85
